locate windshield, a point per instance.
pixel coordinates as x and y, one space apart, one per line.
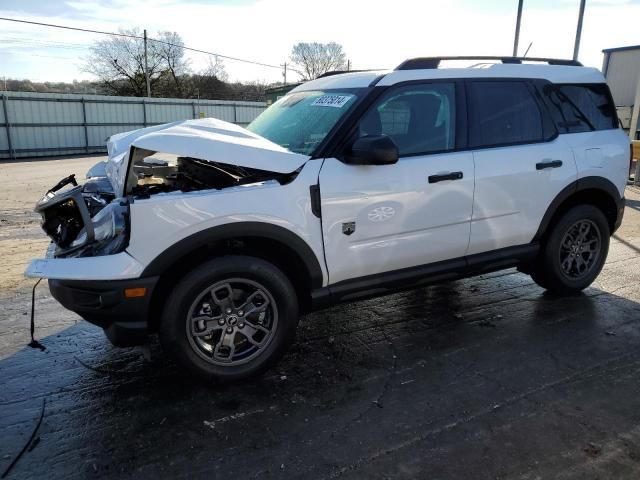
301 120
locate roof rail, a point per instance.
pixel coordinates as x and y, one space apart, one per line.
433 62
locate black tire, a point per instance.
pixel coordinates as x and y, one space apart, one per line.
567 263
190 298
538 276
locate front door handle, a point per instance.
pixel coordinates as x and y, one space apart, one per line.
445 176
549 164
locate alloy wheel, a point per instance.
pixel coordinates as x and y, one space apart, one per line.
232 322
580 249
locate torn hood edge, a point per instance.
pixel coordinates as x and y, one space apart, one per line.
205 139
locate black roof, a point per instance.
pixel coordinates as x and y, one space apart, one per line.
282 88
338 72
621 49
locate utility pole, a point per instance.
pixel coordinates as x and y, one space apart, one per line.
516 39
146 65
284 73
576 46
348 65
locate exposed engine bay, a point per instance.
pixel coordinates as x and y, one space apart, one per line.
91 220
152 173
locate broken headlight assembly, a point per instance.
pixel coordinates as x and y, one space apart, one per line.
67 220
109 228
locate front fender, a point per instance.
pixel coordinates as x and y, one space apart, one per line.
178 221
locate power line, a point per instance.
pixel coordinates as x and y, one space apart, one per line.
69 28
128 35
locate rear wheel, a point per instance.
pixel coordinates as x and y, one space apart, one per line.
574 252
230 318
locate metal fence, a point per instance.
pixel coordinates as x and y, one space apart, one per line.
48 124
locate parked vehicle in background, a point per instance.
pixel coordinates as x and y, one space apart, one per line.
352 185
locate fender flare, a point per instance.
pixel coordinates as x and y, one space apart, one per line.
230 231
585 183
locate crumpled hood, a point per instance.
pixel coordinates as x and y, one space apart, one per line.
204 139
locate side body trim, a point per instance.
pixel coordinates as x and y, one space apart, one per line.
413 277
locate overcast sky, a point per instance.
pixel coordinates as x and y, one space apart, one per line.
374 34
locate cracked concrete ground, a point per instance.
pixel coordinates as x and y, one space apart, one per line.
487 377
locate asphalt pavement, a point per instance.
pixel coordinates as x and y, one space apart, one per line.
483 378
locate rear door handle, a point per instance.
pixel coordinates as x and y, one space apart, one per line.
549 164
445 176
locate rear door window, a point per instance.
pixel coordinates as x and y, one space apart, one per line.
503 113
581 108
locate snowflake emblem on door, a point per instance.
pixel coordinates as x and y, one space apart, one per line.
380 214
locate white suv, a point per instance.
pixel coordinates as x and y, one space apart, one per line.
353 185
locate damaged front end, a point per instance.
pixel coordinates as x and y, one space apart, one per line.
88 220
84 220
153 173
93 219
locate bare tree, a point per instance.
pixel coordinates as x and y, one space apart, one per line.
254 90
216 68
118 62
211 82
314 59
171 53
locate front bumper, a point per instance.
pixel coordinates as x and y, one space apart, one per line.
103 303
119 266
93 287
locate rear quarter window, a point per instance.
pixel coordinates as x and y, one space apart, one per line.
581 108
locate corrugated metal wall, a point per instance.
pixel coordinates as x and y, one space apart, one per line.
42 124
622 70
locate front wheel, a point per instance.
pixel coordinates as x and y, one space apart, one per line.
230 318
574 252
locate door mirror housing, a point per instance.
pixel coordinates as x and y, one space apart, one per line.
372 150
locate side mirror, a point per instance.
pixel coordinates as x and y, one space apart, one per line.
373 150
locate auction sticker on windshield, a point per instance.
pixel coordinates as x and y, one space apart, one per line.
337 101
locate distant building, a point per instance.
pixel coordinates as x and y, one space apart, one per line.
621 67
274 93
